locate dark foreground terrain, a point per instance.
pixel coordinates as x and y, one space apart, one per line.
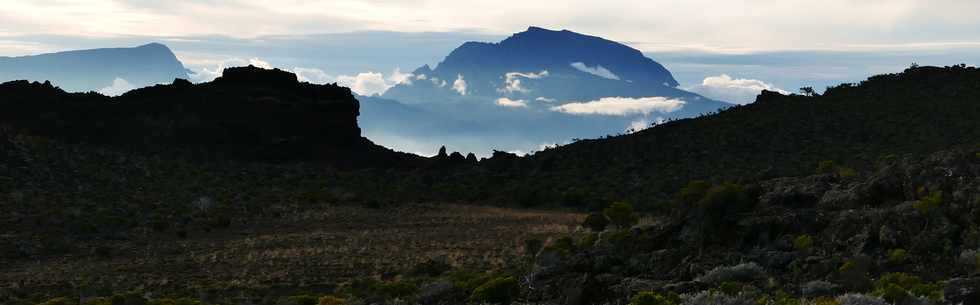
867 194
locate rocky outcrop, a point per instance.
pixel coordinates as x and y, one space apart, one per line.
249 114
854 230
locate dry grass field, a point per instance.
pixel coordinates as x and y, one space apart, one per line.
295 253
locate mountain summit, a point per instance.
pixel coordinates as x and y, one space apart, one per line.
92 70
546 64
536 87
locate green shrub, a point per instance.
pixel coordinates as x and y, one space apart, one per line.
897 256
435 266
501 290
690 194
826 167
803 242
596 222
653 298
895 287
621 214
304 300
929 202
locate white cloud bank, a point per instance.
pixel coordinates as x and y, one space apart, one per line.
460 84
118 87
512 81
598 70
732 90
506 102
622 106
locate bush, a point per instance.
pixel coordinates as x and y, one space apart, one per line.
690 194
435 266
896 287
708 298
929 202
746 272
332 300
621 214
304 300
596 222
653 298
897 256
501 290
803 242
532 246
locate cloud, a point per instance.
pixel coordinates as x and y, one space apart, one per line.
367 83
421 77
118 87
512 81
313 75
733 90
622 106
460 84
598 70
506 102
545 99
643 123
255 61
398 77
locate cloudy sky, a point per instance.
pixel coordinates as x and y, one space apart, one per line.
723 49
651 25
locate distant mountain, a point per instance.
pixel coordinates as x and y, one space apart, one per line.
248 114
542 86
92 70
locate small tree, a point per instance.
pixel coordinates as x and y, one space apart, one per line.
808 91
621 214
597 222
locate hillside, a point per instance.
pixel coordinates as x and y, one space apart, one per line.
918 111
92 70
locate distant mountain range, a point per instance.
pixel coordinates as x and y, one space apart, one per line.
534 89
92 70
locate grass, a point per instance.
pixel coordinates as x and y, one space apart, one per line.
314 251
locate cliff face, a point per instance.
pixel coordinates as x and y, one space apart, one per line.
249 114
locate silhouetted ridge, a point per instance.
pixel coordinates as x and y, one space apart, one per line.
251 75
249 114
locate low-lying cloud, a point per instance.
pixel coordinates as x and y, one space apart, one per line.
506 102
622 106
598 70
512 81
460 84
118 87
732 90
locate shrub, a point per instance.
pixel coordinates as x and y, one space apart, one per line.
501 290
860 299
896 287
897 256
826 167
435 266
929 202
332 300
621 214
803 242
824 301
653 298
690 194
742 273
532 246
304 300
596 222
